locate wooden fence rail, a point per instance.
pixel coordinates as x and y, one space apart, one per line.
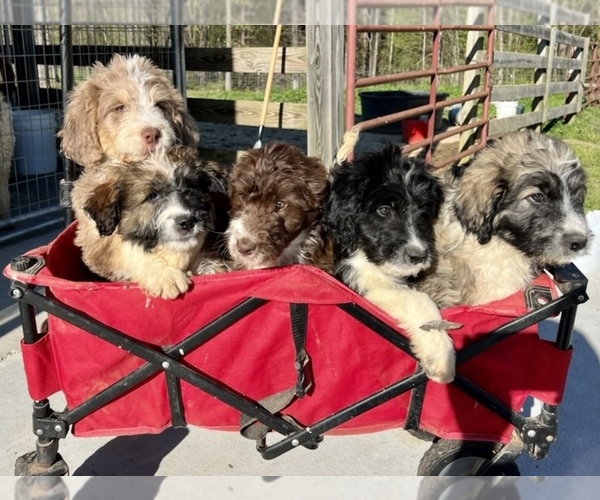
575 90
545 63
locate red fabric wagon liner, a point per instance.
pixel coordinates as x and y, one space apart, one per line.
255 356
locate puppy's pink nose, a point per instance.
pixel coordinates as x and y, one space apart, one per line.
245 246
151 135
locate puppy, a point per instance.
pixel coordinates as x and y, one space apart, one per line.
147 223
516 208
124 112
380 216
276 194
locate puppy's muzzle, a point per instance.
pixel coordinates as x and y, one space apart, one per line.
185 223
245 246
574 242
151 136
417 255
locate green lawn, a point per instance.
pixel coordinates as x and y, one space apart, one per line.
583 135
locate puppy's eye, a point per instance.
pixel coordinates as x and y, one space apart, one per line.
161 106
153 196
279 205
120 108
384 211
537 198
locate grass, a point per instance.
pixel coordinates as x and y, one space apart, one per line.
582 133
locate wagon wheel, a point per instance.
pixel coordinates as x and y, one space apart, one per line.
467 488
446 457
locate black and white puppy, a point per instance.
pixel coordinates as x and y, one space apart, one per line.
380 216
148 223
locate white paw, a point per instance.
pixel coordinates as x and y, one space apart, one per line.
170 283
435 352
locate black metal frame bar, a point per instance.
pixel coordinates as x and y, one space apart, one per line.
569 280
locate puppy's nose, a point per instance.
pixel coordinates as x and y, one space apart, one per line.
245 246
151 135
186 222
416 255
575 241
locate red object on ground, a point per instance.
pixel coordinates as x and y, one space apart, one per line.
414 131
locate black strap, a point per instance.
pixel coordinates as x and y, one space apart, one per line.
299 317
250 427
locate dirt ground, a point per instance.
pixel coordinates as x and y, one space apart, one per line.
221 141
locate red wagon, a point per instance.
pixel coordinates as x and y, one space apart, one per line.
289 350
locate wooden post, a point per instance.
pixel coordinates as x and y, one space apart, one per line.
540 77
582 77
549 66
471 79
325 76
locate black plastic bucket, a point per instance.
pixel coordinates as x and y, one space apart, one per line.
384 102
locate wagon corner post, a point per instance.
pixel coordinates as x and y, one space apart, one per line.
325 76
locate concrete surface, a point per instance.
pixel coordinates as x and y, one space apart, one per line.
311 488
195 451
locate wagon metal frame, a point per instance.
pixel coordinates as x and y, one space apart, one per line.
532 434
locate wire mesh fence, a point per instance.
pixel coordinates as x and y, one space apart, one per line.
32 109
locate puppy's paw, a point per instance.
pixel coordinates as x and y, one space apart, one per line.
435 352
211 266
168 284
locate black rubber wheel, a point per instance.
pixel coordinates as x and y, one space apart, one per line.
468 488
447 457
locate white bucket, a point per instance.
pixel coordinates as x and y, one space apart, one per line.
454 114
35 141
507 108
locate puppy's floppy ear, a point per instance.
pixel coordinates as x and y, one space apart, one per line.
184 124
188 129
315 181
343 204
78 135
103 207
218 176
480 189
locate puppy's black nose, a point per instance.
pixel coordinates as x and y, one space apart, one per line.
575 241
416 255
186 222
245 246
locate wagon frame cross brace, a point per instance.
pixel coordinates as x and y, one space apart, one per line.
532 433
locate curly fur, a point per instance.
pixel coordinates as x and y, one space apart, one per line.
124 112
517 207
380 216
276 194
147 223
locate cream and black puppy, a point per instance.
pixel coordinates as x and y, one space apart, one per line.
515 208
147 223
123 113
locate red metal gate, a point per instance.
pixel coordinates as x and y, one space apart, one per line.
473 129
